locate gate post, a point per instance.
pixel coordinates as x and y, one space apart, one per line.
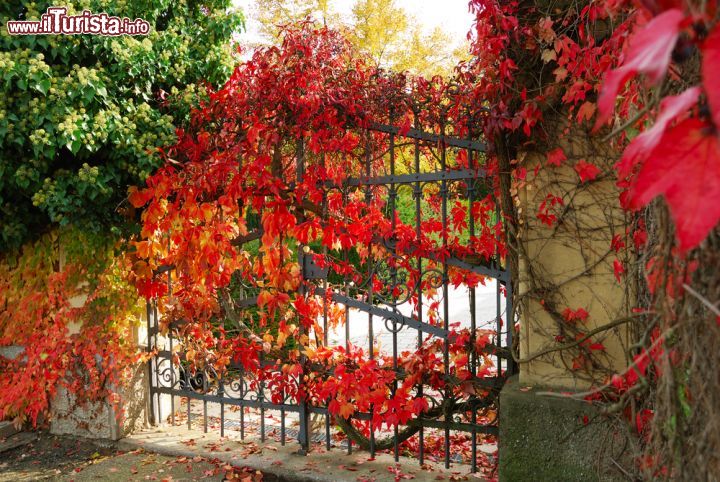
565 266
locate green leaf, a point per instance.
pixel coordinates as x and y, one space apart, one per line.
74 146
101 90
43 86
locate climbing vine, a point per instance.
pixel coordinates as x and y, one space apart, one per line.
572 96
67 315
232 180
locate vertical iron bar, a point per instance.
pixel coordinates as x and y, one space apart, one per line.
242 407
221 394
157 362
150 362
498 326
325 313
261 399
172 364
325 318
325 279
282 422
446 306
172 379
473 317
417 193
304 429
371 274
346 287
509 321
498 318
189 414
393 222
327 431
206 391
370 261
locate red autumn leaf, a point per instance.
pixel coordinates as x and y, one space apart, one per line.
617 243
670 108
556 157
420 405
578 362
544 214
586 170
642 419
575 315
617 381
586 111
685 168
344 409
711 73
640 235
619 269
405 127
649 54
639 368
139 198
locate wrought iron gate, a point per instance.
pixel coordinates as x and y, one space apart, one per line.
387 314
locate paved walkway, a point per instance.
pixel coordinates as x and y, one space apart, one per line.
26 457
283 462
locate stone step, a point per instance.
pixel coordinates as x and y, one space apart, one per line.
7 429
16 440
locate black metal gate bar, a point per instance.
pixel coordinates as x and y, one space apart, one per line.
233 389
417 193
416 133
371 273
473 315
346 291
446 294
304 433
392 196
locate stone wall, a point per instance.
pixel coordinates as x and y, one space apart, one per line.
100 420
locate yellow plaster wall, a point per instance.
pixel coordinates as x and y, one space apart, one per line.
570 264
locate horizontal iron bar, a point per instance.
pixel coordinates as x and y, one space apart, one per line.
454 175
166 355
499 274
225 400
428 136
383 313
426 422
463 427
